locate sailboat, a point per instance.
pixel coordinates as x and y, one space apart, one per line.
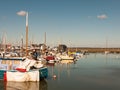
4 54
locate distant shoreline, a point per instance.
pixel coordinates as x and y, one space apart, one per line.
94 49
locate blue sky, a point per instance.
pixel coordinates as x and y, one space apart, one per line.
84 23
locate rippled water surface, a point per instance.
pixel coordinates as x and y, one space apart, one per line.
91 72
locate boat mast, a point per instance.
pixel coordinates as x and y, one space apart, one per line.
22 46
106 45
26 33
4 42
45 39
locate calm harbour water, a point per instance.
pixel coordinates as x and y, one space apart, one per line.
92 72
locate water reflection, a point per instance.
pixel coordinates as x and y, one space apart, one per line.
58 69
94 72
42 85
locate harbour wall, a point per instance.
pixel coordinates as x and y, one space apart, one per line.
94 50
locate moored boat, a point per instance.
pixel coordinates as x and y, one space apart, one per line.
66 61
66 57
15 70
50 58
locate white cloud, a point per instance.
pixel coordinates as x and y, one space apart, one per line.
89 16
21 13
103 16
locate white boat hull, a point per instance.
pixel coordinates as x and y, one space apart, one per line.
22 77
